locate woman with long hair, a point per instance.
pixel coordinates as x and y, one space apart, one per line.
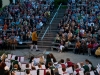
53 59
90 65
32 61
48 59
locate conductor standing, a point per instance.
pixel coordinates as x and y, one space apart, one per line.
34 40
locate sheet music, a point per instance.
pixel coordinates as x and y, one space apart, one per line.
8 60
79 65
66 74
36 67
8 64
81 73
41 72
23 66
18 58
69 70
33 72
9 56
43 67
98 68
60 70
22 59
13 57
92 73
22 73
17 73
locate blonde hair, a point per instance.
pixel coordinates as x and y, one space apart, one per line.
41 60
3 57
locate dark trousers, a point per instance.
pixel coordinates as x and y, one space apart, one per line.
76 50
1 47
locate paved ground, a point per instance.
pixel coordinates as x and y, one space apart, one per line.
74 57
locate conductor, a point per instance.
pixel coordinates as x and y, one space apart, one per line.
34 40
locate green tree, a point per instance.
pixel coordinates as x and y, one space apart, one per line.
0 3
57 2
11 1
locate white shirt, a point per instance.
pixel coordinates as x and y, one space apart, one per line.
41 24
61 47
73 1
82 31
89 65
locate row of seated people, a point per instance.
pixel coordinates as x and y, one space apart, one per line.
49 66
21 23
76 26
8 44
83 46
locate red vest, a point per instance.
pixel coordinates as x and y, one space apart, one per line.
77 70
70 64
63 65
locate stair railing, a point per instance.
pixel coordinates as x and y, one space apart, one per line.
48 29
49 26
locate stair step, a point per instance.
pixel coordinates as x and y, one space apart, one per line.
71 48
44 46
43 41
51 33
46 37
27 46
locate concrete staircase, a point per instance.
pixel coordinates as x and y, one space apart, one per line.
41 32
49 37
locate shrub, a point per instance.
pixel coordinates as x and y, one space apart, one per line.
57 2
11 1
0 3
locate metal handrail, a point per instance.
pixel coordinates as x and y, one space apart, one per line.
51 22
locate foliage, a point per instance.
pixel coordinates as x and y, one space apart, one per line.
0 3
57 2
11 1
64 6
2 8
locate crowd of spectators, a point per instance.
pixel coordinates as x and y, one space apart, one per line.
17 21
80 25
48 63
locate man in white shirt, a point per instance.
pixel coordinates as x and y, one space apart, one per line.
73 1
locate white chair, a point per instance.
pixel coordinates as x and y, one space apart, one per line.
33 72
69 70
81 73
92 73
41 72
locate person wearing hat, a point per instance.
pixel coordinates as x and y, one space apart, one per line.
34 40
